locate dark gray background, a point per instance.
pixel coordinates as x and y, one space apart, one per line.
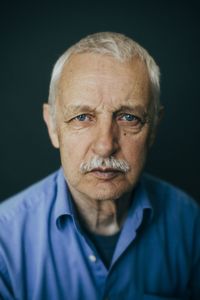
34 34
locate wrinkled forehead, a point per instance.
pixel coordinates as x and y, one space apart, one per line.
99 75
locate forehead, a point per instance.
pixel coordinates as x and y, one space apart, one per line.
98 76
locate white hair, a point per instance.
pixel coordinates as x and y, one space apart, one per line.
99 162
116 45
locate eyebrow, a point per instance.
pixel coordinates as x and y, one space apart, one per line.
132 108
77 108
73 109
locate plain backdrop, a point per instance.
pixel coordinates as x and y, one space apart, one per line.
34 34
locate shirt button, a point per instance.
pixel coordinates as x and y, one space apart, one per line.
92 258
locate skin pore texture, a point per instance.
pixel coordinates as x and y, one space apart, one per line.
103 109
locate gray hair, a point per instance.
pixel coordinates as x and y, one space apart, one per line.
99 162
116 45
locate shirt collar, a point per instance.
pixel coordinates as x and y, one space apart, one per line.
141 199
63 203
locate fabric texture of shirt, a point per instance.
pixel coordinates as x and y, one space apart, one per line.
44 253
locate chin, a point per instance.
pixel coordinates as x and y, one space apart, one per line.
104 194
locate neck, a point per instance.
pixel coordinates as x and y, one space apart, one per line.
104 217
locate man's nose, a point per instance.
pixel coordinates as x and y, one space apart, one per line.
106 140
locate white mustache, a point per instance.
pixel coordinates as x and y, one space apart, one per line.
99 162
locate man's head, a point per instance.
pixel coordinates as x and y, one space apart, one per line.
102 113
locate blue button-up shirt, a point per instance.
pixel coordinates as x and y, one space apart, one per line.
45 255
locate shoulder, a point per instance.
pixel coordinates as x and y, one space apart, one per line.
165 195
28 199
176 215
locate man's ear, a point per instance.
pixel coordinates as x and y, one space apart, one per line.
48 119
155 126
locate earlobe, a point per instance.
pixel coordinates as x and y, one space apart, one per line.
48 119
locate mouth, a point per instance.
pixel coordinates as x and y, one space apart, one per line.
105 173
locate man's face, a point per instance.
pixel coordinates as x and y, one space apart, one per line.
101 111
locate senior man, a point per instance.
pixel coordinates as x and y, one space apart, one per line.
98 228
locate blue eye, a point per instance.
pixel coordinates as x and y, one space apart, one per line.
81 117
129 117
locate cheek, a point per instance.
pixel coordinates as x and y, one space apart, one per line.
135 148
69 152
72 149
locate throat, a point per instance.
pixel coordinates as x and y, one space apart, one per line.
103 217
107 220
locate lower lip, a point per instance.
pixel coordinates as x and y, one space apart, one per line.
105 175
